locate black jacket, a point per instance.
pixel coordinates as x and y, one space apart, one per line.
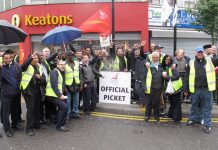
9 87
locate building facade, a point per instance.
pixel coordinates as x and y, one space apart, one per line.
37 19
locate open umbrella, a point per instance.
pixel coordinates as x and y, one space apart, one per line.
10 33
61 35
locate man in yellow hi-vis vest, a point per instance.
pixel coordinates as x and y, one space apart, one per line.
119 61
200 81
72 81
55 94
32 79
153 85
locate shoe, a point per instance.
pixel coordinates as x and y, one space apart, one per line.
190 123
30 133
9 133
207 130
147 119
75 117
21 120
37 127
87 113
17 127
157 119
63 129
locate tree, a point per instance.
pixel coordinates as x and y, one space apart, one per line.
206 13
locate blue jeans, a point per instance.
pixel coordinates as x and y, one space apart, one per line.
204 99
73 97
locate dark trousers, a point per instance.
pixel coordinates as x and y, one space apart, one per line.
50 109
19 110
153 102
9 107
45 112
33 110
90 98
175 111
140 92
62 109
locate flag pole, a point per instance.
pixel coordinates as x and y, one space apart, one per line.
175 34
113 23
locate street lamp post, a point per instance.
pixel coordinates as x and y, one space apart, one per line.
113 22
175 34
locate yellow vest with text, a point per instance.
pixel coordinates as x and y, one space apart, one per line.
49 90
210 74
116 64
72 74
177 84
26 77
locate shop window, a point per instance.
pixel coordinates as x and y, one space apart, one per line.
102 0
62 1
16 3
38 1
7 4
1 6
84 1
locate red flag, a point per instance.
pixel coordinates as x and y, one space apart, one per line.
99 22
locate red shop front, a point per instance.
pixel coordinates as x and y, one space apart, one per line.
131 20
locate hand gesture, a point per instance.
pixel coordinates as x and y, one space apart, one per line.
143 43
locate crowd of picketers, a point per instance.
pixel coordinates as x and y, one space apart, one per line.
53 83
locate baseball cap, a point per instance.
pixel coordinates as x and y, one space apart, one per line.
207 46
199 49
158 47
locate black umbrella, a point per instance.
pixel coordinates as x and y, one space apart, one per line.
10 33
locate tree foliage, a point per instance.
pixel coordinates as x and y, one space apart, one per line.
206 13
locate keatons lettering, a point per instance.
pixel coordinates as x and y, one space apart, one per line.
47 20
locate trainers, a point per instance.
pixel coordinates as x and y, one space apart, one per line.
17 127
30 133
9 133
190 122
63 129
147 119
207 129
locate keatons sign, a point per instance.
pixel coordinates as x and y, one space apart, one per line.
31 20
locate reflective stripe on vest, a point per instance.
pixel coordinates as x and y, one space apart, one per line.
177 84
49 90
71 74
26 77
148 81
210 74
116 64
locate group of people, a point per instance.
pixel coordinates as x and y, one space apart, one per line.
52 84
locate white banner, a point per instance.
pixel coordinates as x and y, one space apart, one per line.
166 11
115 87
104 40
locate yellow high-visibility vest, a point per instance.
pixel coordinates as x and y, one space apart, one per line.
210 74
148 81
72 74
177 84
116 64
49 69
26 77
49 90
